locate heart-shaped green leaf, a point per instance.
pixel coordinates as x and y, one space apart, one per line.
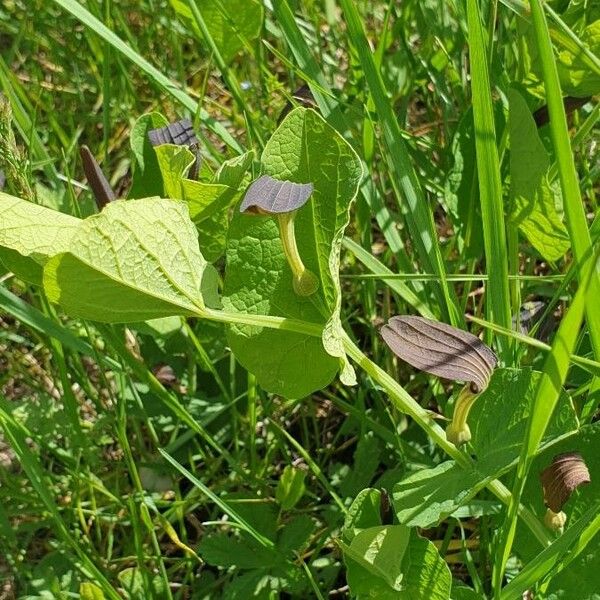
533 208
258 278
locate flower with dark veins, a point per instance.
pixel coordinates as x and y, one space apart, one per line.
447 352
565 474
282 200
179 133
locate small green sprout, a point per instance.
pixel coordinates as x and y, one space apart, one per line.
282 200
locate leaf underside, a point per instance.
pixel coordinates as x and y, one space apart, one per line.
136 260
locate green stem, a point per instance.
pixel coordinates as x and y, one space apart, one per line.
404 401
304 281
397 394
233 318
459 432
408 405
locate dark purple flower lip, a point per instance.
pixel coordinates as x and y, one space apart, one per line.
562 477
271 196
440 349
282 199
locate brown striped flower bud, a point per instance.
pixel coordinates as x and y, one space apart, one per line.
440 349
180 133
447 352
564 475
103 192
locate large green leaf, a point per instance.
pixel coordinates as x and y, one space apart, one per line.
208 203
533 201
390 562
136 260
30 234
497 421
238 21
258 279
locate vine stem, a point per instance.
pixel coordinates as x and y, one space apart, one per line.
404 402
283 323
401 399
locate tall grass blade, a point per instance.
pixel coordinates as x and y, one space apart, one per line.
376 267
490 186
547 393
419 217
573 205
555 557
319 86
222 504
161 80
18 440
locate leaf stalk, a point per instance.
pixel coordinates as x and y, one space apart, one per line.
459 432
305 282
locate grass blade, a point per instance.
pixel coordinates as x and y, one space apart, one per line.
228 75
419 217
490 186
319 86
369 261
556 367
162 81
591 366
574 210
573 541
18 440
224 506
